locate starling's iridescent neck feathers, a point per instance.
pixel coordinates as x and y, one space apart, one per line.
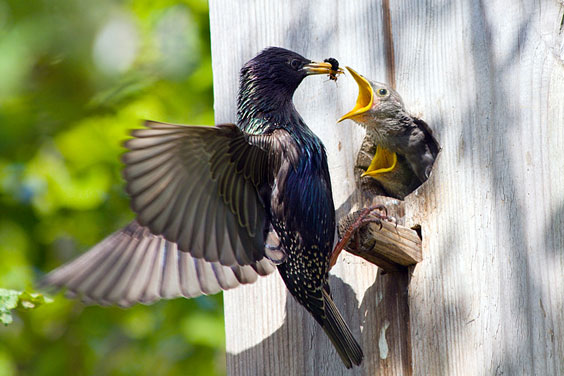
267 85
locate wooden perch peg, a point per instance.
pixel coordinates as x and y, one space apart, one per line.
396 157
386 244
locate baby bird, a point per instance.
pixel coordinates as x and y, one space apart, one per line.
405 147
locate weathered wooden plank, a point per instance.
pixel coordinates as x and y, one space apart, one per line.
488 297
268 333
384 243
397 243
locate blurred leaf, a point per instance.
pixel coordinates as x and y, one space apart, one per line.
7 366
203 329
15 271
8 301
12 299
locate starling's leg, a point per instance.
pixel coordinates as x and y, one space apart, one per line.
357 241
363 219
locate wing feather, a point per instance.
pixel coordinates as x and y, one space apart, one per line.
180 177
134 266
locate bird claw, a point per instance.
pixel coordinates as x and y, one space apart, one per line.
373 208
393 220
367 215
371 215
366 221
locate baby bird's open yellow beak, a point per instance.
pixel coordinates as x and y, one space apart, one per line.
383 161
365 96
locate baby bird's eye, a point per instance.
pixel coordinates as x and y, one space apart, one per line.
382 92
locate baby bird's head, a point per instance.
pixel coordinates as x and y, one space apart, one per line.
376 103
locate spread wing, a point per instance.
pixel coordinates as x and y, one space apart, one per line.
197 186
134 266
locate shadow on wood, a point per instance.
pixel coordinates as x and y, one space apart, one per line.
381 324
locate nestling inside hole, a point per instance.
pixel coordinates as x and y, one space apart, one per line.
399 149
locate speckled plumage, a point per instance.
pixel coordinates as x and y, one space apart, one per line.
217 206
300 201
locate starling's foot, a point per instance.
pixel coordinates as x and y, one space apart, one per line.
373 214
393 220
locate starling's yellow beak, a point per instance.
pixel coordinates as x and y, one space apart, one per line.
365 97
383 161
321 68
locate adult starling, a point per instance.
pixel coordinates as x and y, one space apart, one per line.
229 199
405 147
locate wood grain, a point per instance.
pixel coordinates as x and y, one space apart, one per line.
384 243
488 77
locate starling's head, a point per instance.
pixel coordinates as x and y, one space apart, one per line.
273 76
375 102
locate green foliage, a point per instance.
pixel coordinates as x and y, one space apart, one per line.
76 76
12 299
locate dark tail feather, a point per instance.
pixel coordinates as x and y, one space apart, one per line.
340 335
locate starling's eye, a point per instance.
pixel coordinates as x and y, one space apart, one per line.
382 92
296 64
